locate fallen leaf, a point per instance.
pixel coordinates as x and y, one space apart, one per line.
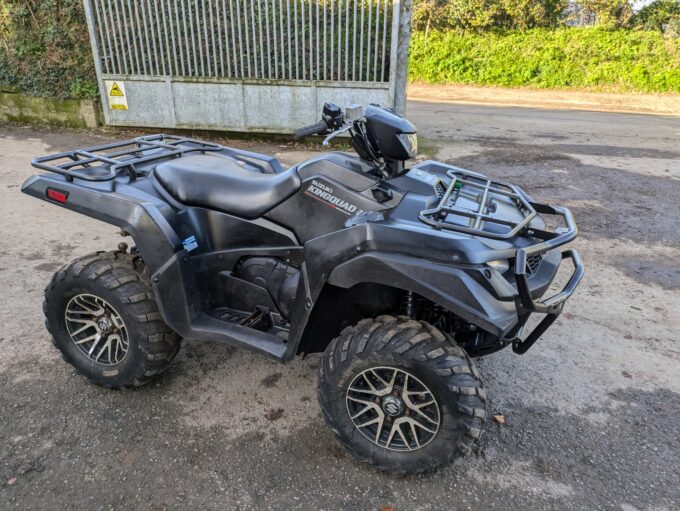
500 419
387 508
12 481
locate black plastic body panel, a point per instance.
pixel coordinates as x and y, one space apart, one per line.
328 203
384 127
446 285
157 227
139 214
343 168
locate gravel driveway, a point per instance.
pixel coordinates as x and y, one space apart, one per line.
592 412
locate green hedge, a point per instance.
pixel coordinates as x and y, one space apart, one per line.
564 58
45 49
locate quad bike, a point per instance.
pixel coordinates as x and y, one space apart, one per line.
398 275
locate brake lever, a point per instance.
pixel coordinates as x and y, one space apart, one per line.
326 141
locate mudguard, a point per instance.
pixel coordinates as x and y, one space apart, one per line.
447 286
138 215
162 250
368 253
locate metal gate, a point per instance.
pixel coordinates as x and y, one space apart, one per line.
243 65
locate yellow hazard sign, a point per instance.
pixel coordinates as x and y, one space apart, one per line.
116 95
115 91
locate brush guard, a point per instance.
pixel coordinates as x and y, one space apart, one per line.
524 303
551 306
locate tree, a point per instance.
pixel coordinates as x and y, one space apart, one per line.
45 48
478 15
460 14
658 15
610 13
524 14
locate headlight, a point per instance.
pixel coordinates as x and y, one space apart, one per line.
410 143
501 265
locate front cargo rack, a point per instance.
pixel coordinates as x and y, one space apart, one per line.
108 161
479 217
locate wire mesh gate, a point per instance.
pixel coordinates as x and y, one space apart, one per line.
248 65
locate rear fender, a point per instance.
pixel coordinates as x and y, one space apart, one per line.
172 275
154 237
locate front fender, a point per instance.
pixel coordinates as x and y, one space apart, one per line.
451 287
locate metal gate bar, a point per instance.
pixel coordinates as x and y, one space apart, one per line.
245 65
308 40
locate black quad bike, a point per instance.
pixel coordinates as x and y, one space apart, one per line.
398 275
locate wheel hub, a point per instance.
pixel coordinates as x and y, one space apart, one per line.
393 408
105 325
96 329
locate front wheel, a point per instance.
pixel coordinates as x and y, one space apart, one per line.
400 395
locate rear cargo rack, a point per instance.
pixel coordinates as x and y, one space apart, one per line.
436 217
108 161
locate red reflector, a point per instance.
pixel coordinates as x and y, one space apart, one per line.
57 196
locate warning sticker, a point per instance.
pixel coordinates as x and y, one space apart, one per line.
115 91
116 94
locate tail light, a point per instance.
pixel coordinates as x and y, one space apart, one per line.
57 195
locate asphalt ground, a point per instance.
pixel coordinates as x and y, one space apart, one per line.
592 411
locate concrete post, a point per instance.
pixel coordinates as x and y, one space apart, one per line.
89 16
403 41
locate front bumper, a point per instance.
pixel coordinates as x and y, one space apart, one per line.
551 306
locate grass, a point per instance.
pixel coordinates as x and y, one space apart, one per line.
566 58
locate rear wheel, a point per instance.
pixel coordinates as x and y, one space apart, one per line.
401 395
103 317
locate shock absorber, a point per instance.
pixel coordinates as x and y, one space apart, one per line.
410 305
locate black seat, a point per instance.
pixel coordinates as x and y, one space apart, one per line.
222 183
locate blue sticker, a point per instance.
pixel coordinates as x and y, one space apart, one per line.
190 243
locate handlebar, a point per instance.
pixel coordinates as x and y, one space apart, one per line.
331 119
313 129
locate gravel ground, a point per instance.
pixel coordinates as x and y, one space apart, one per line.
592 411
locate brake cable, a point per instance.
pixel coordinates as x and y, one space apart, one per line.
378 160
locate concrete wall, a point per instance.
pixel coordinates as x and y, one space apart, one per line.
275 106
70 113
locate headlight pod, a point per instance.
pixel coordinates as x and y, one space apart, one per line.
410 143
500 265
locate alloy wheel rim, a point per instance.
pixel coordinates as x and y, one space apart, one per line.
393 408
97 329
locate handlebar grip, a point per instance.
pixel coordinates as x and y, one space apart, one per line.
312 129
